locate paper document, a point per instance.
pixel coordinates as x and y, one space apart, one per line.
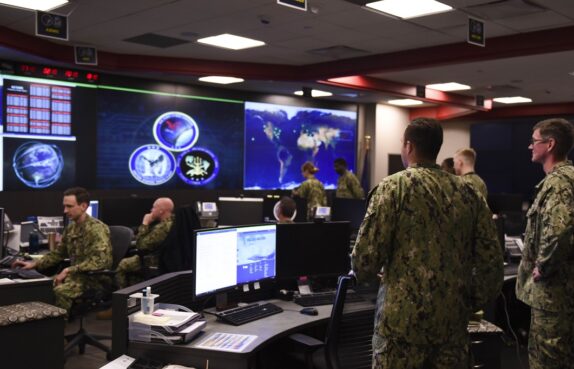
121 362
226 342
164 317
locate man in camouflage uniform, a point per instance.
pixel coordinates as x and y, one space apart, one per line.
546 273
436 242
151 234
464 160
311 190
348 185
86 242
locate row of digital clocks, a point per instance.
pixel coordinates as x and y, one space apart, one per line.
155 164
43 71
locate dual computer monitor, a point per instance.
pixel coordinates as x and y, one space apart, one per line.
228 257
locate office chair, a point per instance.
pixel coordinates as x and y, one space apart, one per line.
348 340
120 238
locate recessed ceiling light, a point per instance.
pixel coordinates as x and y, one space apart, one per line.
230 41
405 102
512 100
42 5
222 80
315 93
409 9
449 86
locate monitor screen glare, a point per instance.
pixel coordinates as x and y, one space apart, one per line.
232 256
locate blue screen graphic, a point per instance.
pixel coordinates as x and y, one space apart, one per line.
280 138
126 121
255 255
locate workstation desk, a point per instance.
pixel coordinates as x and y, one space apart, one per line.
268 330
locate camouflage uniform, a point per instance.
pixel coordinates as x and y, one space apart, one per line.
475 182
549 245
436 241
88 247
349 187
312 190
148 239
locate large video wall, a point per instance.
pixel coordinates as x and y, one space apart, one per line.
57 134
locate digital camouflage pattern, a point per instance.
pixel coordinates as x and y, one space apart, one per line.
435 239
88 247
349 187
392 354
148 239
475 182
550 343
549 245
313 191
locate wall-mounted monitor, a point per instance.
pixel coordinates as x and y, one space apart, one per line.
151 138
280 138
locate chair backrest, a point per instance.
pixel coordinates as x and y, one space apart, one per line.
176 252
348 341
121 239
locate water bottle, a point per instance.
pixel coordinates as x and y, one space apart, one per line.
33 243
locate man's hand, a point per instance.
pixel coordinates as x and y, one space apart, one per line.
60 278
147 219
536 276
24 264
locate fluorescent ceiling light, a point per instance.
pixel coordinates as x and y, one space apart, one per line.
449 86
42 5
405 102
315 93
409 9
229 41
221 79
512 100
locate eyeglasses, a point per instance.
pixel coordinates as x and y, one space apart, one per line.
534 141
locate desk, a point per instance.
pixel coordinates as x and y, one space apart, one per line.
268 330
23 290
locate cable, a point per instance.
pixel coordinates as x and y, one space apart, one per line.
512 331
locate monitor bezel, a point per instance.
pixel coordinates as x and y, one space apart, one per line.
203 295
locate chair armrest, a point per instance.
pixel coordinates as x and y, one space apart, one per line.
107 272
308 343
133 251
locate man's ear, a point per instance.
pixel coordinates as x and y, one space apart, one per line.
551 144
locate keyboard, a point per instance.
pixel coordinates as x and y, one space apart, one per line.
20 273
248 313
6 262
324 298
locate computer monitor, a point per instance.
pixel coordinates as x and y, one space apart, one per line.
93 209
352 210
25 229
236 211
227 257
313 249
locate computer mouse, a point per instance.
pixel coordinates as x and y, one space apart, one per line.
309 311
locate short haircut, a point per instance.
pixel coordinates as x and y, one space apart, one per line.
561 130
309 167
426 136
342 162
82 195
468 155
287 206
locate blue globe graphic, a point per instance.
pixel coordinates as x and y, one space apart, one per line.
38 165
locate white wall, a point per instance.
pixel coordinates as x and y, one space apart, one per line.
390 124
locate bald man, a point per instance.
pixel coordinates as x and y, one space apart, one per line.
151 233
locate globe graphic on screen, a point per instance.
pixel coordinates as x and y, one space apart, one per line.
38 165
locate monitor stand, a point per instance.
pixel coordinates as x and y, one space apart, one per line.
222 302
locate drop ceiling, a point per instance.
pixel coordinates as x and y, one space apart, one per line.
331 37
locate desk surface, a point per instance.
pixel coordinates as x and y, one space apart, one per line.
267 330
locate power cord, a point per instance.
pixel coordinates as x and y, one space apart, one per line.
512 331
